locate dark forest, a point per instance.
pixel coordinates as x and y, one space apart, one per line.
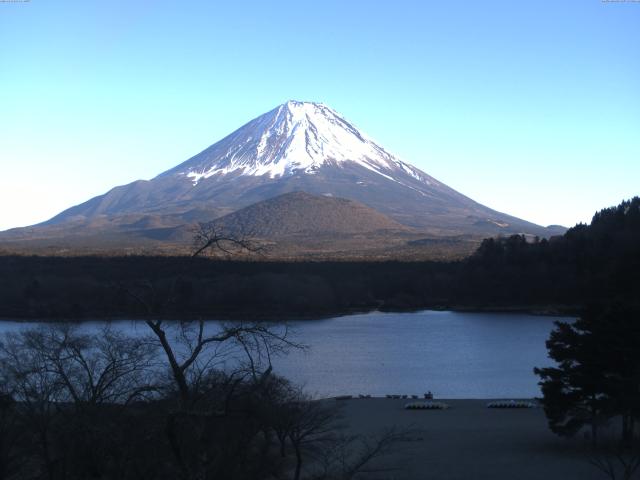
588 264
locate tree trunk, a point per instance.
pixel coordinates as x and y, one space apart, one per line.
172 437
627 430
594 423
178 373
48 462
296 447
283 452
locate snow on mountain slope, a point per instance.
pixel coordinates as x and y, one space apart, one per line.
296 136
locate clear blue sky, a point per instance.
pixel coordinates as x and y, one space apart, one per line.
532 107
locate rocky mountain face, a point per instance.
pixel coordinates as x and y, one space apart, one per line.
296 147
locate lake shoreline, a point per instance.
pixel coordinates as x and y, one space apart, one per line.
535 310
453 354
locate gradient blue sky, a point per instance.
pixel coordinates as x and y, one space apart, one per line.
532 107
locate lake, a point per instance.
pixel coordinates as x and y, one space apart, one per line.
452 354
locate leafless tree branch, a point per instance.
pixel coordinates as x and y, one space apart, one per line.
213 236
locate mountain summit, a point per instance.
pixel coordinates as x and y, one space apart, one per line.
294 137
298 146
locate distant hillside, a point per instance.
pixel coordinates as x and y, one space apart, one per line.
303 214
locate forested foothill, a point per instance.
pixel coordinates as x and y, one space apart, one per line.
600 261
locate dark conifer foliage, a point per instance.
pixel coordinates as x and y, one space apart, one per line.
598 372
589 263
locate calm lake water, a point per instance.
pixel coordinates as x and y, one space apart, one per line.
452 354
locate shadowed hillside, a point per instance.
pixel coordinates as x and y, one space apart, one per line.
300 213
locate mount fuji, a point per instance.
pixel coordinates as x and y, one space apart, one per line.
296 147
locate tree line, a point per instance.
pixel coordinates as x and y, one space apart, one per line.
590 262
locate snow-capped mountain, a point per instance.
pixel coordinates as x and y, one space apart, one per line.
300 146
294 137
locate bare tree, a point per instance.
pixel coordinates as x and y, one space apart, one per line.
214 237
621 465
71 390
618 460
193 351
352 456
213 367
313 426
11 433
36 392
108 368
321 450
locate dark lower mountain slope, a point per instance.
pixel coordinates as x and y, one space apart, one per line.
302 214
292 225
436 209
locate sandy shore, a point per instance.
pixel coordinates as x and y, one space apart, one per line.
470 441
